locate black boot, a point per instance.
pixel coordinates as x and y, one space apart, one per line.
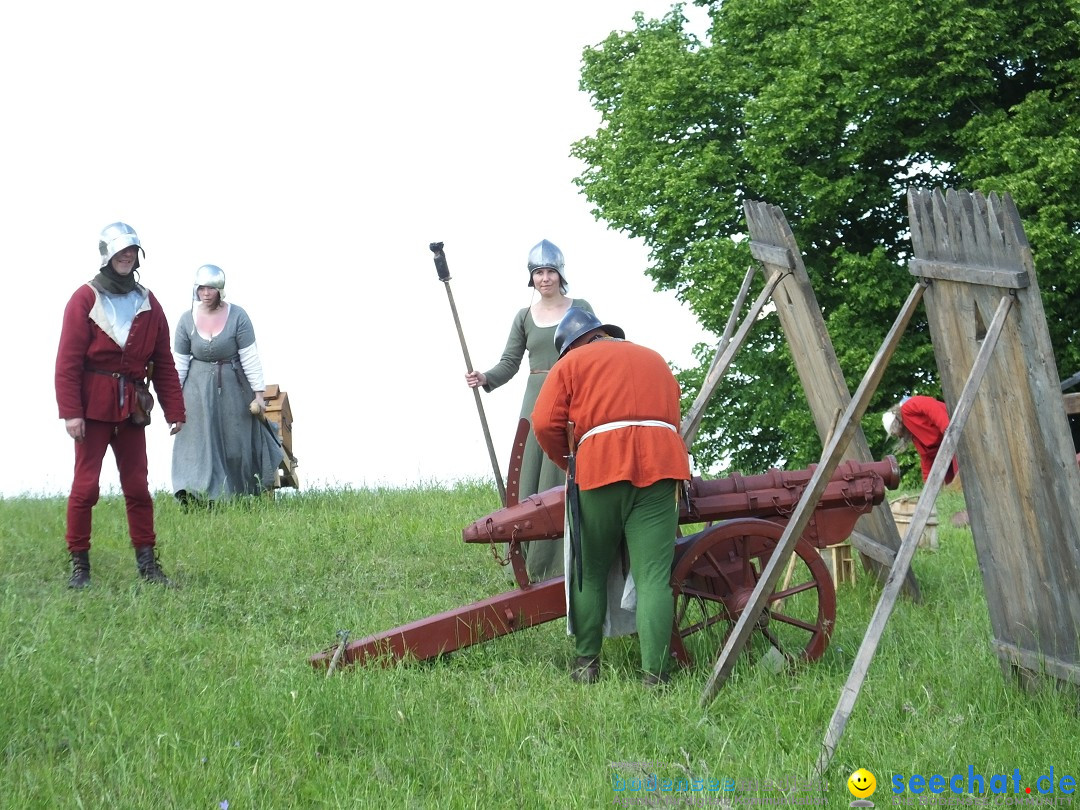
80 569
586 669
149 568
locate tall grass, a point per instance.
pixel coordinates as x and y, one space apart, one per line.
130 695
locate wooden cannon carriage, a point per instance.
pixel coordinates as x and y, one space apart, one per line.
715 569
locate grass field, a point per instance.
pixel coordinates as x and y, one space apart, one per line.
130 696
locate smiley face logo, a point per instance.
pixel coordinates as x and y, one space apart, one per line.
862 784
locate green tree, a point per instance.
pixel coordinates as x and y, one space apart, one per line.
831 109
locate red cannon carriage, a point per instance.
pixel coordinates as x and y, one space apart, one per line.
714 572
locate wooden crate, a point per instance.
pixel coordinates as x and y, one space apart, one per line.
902 511
279 412
840 562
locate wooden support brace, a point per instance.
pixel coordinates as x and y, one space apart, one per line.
872 549
692 421
800 518
910 542
725 340
949 271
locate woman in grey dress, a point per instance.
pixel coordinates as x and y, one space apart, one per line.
228 448
533 331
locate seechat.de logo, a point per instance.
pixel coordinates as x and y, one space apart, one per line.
984 785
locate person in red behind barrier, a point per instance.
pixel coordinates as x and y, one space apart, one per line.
922 421
629 462
114 336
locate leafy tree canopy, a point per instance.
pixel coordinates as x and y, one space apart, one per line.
831 109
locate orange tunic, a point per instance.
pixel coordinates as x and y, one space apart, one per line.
609 381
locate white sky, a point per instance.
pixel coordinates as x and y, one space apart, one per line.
312 151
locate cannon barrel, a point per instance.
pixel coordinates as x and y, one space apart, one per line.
773 494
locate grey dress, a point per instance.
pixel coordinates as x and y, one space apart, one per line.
223 450
543 558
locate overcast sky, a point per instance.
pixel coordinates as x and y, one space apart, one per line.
313 151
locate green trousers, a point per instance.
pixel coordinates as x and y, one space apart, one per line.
648 518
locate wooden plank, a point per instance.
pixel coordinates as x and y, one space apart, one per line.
1072 403
927 500
1001 238
1021 483
872 548
775 255
822 379
800 517
1011 279
1065 671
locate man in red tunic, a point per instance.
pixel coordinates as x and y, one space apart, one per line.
921 420
624 403
114 332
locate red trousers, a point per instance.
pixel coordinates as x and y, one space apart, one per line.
128 444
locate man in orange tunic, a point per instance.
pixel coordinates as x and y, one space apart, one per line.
624 403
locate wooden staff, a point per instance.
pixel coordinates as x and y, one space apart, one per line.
343 639
444 276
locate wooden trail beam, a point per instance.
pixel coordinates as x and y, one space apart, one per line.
772 242
455 629
692 421
800 517
909 545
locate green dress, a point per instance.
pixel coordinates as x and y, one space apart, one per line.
543 558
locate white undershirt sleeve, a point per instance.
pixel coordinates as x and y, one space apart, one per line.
253 370
183 363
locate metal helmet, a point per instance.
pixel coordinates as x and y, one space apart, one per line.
575 323
115 238
209 275
546 254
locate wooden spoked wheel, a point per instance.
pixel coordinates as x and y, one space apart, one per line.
715 576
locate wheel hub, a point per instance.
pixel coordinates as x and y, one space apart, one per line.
738 601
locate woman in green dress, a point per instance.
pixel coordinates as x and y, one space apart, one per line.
533 331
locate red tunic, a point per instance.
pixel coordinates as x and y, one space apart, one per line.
926 420
85 344
608 381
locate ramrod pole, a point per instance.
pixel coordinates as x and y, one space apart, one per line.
444 276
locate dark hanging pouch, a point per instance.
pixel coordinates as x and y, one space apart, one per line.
143 404
144 400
